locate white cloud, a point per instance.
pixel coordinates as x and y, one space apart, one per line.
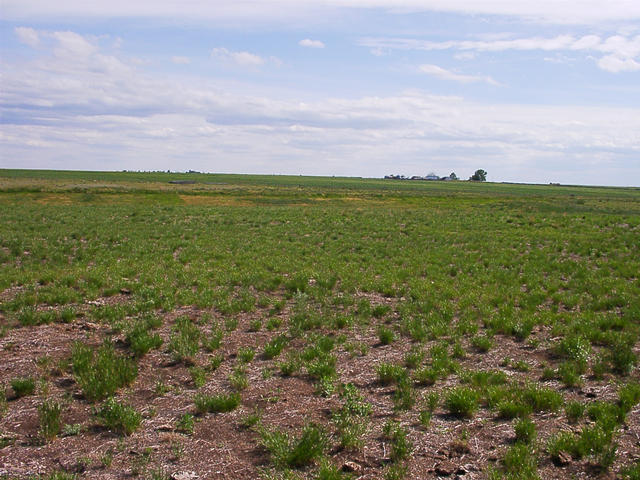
28 36
244 59
72 44
179 60
307 42
559 58
622 53
309 11
464 56
530 43
439 72
614 64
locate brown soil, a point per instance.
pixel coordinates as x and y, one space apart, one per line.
221 448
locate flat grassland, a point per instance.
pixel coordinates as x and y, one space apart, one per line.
278 327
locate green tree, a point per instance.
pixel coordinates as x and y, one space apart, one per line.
453 176
479 176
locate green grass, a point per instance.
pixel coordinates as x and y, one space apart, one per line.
314 273
118 417
49 413
100 373
275 346
23 386
352 419
140 338
185 341
525 431
462 402
294 451
219 403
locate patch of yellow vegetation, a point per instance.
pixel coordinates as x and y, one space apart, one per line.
214 200
54 199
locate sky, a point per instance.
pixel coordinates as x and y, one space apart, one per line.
535 92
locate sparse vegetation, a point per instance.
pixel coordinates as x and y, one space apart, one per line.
323 321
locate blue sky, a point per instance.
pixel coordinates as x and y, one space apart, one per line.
544 92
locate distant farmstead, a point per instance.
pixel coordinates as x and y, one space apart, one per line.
430 177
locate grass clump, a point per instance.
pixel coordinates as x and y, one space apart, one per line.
294 452
401 446
140 339
519 463
245 355
404 397
329 471
485 378
462 402
542 399
101 373
118 417
185 341
631 472
351 419
186 424
413 358
629 396
622 358
213 340
23 386
220 403
275 346
574 411
389 373
481 343
525 431
385 335
238 378
442 365
575 348
569 374
198 376
49 413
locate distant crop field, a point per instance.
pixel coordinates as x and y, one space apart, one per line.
273 327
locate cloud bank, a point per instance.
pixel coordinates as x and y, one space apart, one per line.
256 11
